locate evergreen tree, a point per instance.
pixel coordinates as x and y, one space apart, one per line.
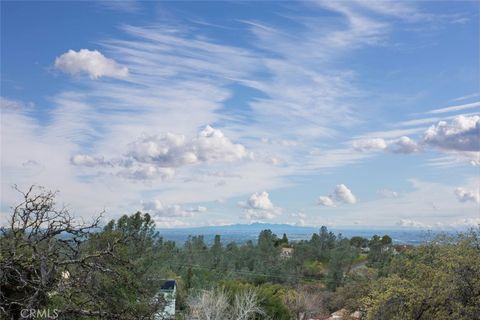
216 252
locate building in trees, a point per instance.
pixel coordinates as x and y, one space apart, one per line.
286 253
168 292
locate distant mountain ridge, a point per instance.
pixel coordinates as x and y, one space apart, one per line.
243 232
244 227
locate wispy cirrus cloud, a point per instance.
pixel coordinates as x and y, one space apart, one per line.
466 97
456 108
88 161
129 6
160 209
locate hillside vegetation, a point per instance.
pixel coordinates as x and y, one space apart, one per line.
49 260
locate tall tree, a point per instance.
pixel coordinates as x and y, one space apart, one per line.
267 253
216 252
341 261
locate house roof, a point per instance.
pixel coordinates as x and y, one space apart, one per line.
168 285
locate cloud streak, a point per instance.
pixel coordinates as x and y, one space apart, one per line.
158 208
403 145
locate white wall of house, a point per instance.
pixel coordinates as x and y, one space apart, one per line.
169 310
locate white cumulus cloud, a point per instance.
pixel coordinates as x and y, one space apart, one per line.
259 207
404 145
157 156
167 150
171 150
341 194
462 134
326 201
259 201
89 62
465 195
211 145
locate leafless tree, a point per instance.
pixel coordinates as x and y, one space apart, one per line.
246 306
41 256
216 305
209 305
305 303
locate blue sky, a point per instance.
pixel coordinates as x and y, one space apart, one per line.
351 113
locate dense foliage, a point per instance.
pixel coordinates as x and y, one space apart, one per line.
438 280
